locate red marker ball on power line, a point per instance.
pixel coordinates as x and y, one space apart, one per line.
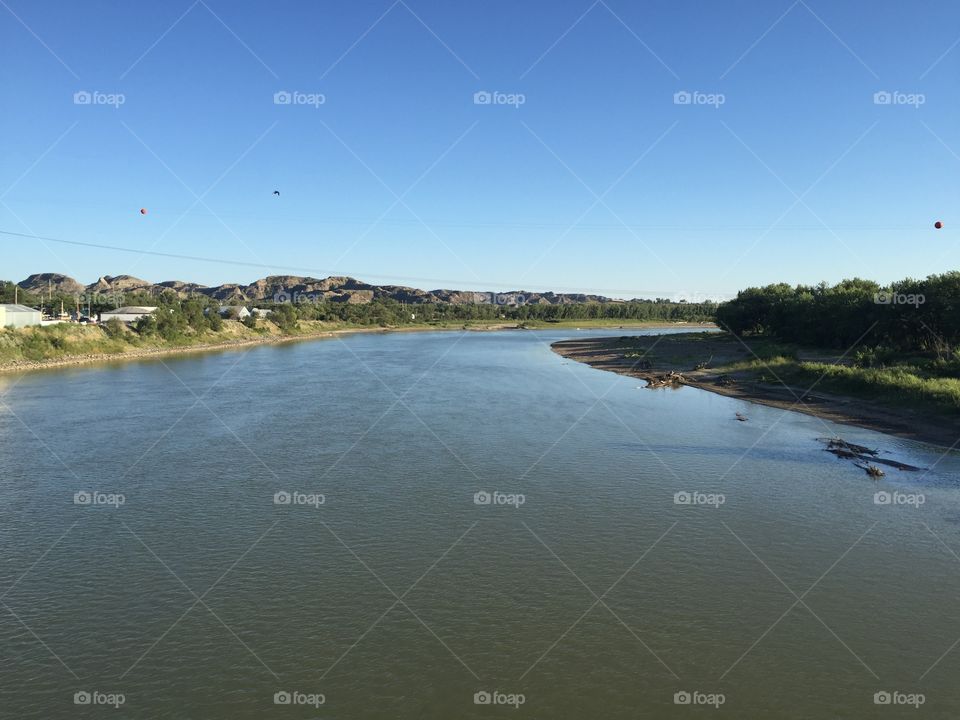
938 224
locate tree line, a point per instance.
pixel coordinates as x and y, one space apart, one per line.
391 312
908 316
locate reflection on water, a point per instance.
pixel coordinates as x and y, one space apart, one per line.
397 596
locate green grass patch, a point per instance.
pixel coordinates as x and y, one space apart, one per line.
902 385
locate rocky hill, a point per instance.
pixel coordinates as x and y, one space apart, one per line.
120 283
293 288
43 283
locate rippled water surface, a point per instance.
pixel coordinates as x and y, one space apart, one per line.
401 597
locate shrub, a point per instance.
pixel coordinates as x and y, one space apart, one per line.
214 320
113 328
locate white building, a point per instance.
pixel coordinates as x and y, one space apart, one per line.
128 314
242 312
18 316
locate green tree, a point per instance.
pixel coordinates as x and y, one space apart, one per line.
214 320
284 317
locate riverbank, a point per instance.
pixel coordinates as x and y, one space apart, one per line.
756 371
89 345
234 336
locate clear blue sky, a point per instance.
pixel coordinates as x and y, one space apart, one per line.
502 196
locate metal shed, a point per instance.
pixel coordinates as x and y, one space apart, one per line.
128 314
18 316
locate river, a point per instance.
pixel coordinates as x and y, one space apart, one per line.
457 525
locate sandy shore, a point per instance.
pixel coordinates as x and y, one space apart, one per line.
682 352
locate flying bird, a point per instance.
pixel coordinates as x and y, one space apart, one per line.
143 211
276 192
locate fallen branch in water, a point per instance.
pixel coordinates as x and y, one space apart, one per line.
841 444
851 451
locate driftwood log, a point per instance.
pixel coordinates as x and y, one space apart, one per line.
670 379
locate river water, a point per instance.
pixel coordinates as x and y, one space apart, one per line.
211 536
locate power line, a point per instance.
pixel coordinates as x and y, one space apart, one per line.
296 269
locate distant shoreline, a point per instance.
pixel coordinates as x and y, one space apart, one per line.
681 351
24 366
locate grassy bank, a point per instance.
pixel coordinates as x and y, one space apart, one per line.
901 385
919 382
56 343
